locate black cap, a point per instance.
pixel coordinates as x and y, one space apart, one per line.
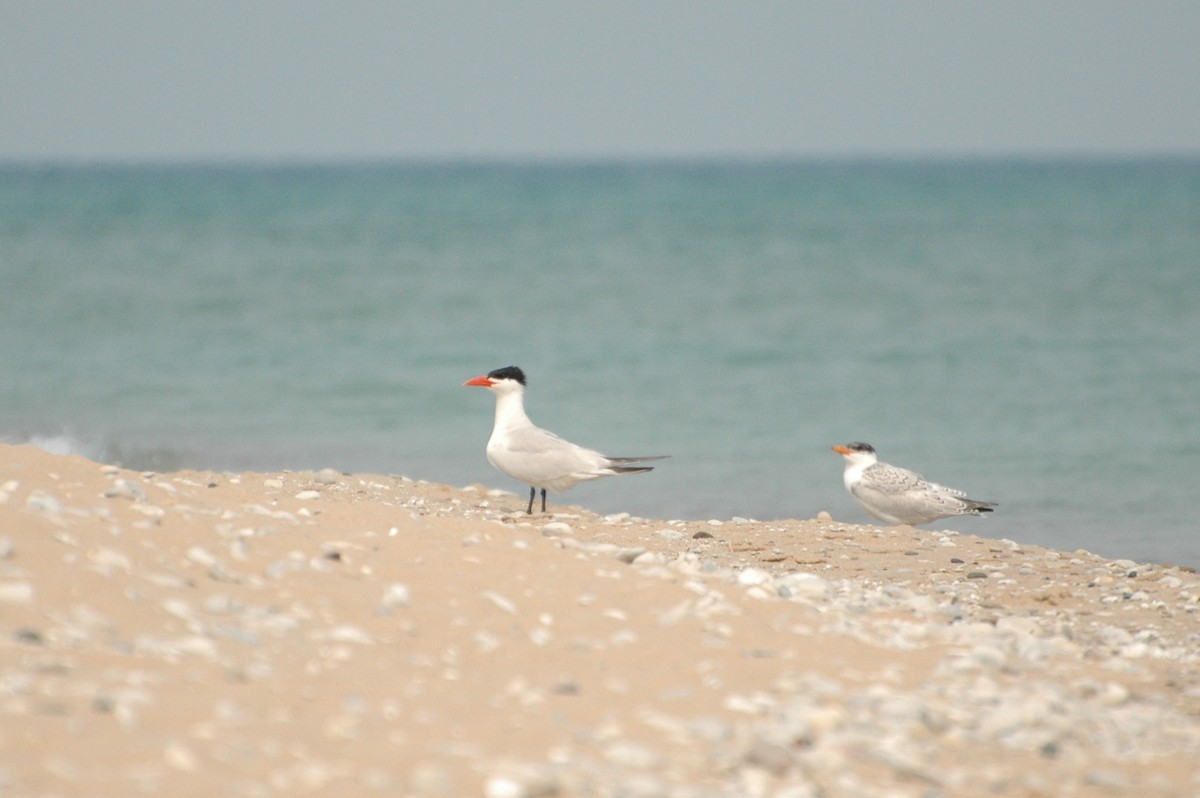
508 373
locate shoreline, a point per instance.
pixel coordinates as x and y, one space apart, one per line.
1051 531
316 633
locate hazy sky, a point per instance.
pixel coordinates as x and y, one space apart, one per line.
158 79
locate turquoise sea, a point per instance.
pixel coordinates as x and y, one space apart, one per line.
1028 331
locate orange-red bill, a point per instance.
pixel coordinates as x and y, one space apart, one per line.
841 449
482 382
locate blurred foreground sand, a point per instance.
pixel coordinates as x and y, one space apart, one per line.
211 634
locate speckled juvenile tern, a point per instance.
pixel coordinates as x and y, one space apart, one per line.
538 457
897 495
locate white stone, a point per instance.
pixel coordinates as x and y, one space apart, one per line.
201 556
179 608
628 554
43 502
109 559
504 787
348 634
180 757
802 585
395 595
125 489
500 601
631 755
16 593
752 576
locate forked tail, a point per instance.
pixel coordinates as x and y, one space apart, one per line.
630 469
615 464
979 508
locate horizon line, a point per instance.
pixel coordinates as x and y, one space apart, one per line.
563 159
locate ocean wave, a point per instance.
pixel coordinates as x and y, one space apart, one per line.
126 455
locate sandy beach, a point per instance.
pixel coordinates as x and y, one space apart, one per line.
301 633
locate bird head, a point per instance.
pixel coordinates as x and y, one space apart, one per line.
503 380
857 452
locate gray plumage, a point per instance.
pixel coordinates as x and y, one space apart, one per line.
899 496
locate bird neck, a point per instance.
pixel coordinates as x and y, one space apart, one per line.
855 468
510 411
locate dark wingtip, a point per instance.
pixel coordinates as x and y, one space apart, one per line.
638 459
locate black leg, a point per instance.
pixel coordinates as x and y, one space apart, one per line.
532 493
543 500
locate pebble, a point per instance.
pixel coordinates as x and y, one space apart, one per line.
505 787
16 593
180 757
108 560
126 489
556 529
396 595
628 554
347 634
631 755
529 781
500 601
752 576
801 585
1022 676
43 502
201 556
771 756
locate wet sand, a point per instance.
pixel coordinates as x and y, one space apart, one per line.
212 634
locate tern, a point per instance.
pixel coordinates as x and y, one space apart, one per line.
538 457
897 495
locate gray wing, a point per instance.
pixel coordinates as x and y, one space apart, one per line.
948 491
903 496
557 455
539 457
889 480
